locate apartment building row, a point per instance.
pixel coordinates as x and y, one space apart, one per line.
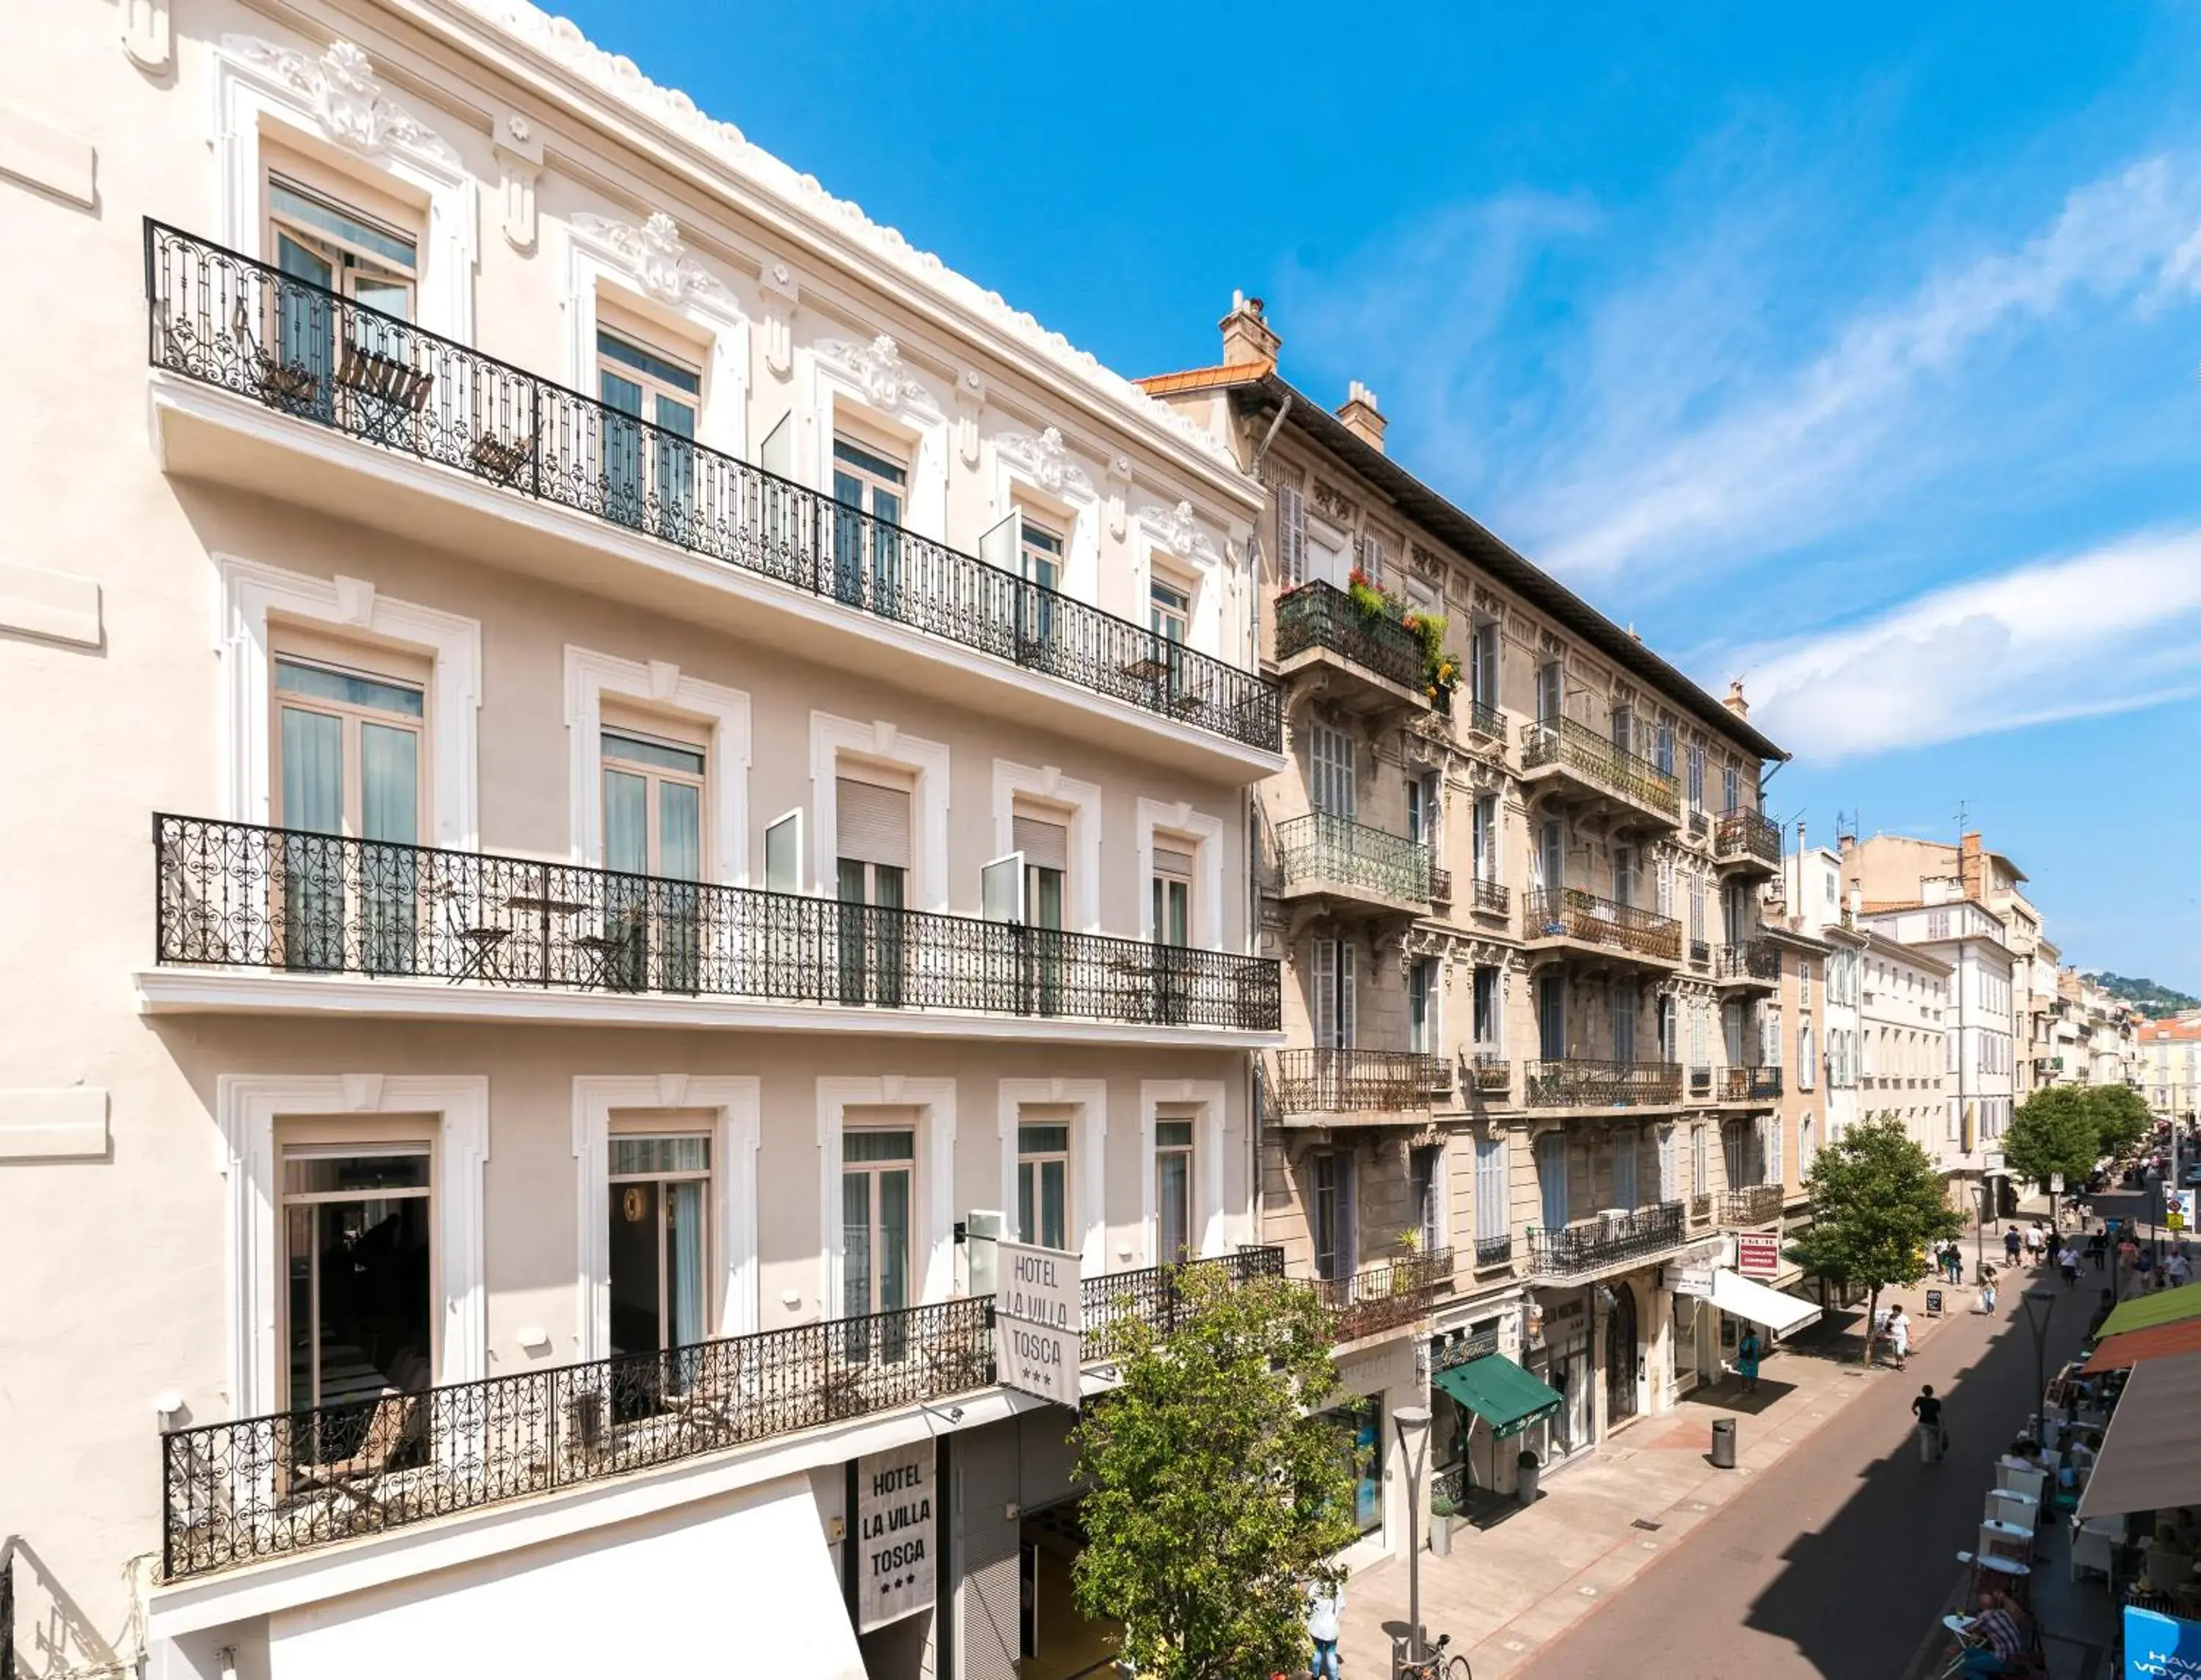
670 771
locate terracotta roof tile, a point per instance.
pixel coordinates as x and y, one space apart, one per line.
1205 378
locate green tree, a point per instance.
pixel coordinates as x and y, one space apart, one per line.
2120 1116
2054 1131
1877 1204
1213 1492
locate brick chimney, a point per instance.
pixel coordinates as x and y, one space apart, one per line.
1970 868
1362 418
1735 702
1247 335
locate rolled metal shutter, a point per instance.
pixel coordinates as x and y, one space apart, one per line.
872 823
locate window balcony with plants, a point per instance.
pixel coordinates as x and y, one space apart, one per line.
1366 630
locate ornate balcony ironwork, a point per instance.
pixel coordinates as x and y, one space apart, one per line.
1491 1073
1564 742
1354 1081
1492 898
1321 615
1754 959
1699 825
1700 954
1606 1240
1381 1297
1320 849
1747 836
233 894
1751 1205
224 320
1439 885
1700 1082
1573 914
1155 1294
1478 719
235 1493
1701 1207
1491 1252
1751 1085
1580 1082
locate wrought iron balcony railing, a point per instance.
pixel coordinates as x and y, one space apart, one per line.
1354 1081
1751 1205
1491 1252
1699 825
224 320
1700 1206
1155 1294
1606 1241
233 894
235 1493
1751 1085
1383 1296
1319 848
1492 898
1700 1082
1478 719
1490 1072
1562 741
1580 1082
1748 834
1322 615
1700 953
1573 914
1752 959
1439 885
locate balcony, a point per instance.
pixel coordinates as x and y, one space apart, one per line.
1700 954
457 444
1747 837
1701 1084
1493 899
1155 1294
441 933
1610 1240
1321 1087
1562 751
1370 662
1385 1296
1485 722
1753 963
1324 856
1572 917
1700 1208
1750 1084
1577 1082
1490 1076
1754 1204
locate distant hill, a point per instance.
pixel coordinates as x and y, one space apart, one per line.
2145 995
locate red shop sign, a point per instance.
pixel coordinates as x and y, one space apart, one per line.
1756 1256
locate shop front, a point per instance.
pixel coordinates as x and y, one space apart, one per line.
1375 1383
1484 1405
1562 1357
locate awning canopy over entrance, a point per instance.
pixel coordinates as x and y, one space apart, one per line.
1746 1298
2146 1311
1501 1393
2135 1345
2150 1458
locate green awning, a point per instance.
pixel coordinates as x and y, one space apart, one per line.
2144 1312
1501 1393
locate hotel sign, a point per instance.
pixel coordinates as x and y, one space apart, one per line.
1039 1321
897 1535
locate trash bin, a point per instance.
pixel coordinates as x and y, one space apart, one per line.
1723 1443
1526 1468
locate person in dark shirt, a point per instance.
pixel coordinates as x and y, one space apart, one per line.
1933 1436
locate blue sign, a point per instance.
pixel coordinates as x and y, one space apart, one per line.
2161 1648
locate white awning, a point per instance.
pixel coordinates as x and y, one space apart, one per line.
1747 1298
577 1605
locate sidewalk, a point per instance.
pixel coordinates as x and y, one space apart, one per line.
1509 1591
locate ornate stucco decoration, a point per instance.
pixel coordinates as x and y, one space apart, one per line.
1179 531
654 257
341 91
880 373
1428 565
1048 460
560 40
1333 502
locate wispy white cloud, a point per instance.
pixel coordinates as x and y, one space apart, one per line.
1794 452
2110 630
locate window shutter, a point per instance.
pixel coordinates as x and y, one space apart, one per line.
1347 1001
1173 863
1489 1188
872 823
1291 534
1045 845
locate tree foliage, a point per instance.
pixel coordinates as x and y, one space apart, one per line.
2120 1116
2056 1129
1877 1207
1213 1492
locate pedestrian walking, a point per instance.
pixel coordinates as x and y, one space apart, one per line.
2143 1266
1986 1289
1956 1266
2033 1242
2011 1242
1746 1354
2070 1266
2178 1268
1933 1434
1325 1608
1898 1337
2098 1246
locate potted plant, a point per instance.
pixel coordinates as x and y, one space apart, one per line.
1443 1514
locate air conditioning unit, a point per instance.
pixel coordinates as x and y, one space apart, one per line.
1610 1217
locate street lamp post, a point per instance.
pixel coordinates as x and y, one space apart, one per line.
1412 1424
2039 1304
1979 1234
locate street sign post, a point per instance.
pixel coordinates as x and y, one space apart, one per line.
1039 1320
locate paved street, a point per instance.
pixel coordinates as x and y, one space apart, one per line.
1837 1561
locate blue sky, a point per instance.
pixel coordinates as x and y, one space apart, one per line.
1853 355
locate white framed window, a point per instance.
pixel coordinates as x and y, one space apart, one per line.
1696 778
648 463
879 1175
1043 1203
1174 1182
1491 1224
357 1218
1700 1164
1482 664
1489 1014
1331 771
1425 808
1425 1188
1670 1176
317 237
1169 608
660 1251
654 788
1806 1056
1552 1180
1486 850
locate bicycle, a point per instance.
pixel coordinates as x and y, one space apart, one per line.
1436 1665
